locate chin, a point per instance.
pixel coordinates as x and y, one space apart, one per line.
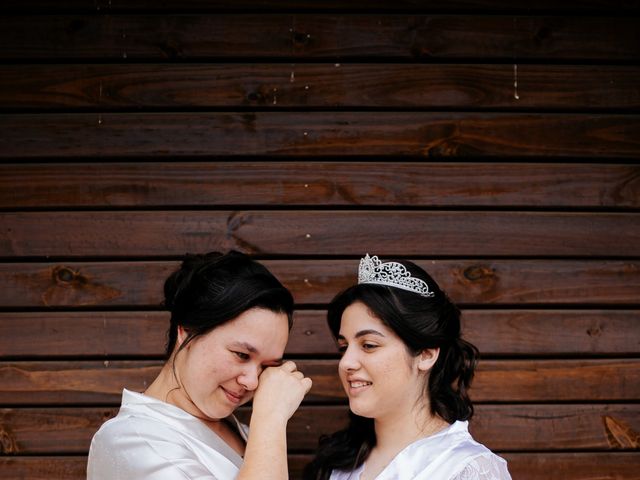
361 410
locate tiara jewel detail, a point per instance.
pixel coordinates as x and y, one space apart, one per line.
391 274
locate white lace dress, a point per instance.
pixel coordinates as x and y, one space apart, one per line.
451 454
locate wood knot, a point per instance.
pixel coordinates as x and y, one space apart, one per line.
7 441
594 331
475 273
542 34
619 434
300 38
65 275
256 97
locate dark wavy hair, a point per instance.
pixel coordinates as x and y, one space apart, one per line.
213 288
421 323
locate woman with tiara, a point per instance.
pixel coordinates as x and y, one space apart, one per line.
406 371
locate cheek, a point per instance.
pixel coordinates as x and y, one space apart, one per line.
394 372
202 370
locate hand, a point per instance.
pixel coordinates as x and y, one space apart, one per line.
280 391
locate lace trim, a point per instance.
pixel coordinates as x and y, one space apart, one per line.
488 467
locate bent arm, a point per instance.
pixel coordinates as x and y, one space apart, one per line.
278 396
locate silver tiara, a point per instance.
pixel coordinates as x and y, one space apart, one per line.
392 274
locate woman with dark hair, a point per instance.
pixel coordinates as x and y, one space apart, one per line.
230 321
407 372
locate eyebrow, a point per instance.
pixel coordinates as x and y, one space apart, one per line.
362 333
247 346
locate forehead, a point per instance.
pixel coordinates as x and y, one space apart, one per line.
357 317
264 330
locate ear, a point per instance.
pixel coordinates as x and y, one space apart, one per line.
182 335
427 359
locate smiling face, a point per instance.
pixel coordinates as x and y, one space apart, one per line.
380 377
219 370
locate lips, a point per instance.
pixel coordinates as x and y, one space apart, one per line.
357 385
232 396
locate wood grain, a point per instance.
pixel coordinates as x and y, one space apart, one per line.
500 427
523 466
476 6
319 134
494 332
410 184
468 87
481 281
99 383
388 233
338 37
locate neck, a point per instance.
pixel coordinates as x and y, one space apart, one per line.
166 387
394 434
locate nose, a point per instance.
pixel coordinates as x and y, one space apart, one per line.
249 377
349 361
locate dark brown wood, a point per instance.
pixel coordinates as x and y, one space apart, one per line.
43 185
44 468
91 383
582 466
340 37
500 427
50 431
114 87
388 233
553 332
318 134
523 466
108 6
482 281
494 332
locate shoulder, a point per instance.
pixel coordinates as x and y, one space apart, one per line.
137 447
485 466
127 435
473 460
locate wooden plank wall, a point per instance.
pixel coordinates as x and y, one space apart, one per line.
494 142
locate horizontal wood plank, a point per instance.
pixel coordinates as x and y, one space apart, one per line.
117 87
387 233
476 6
546 466
44 468
91 382
339 37
510 428
578 466
188 184
523 466
482 281
494 332
319 134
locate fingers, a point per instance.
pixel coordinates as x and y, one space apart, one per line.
307 383
289 366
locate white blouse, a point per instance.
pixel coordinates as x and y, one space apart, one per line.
151 439
451 454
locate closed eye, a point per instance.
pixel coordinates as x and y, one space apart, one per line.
369 346
242 355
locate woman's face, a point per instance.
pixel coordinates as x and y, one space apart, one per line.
380 377
219 371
